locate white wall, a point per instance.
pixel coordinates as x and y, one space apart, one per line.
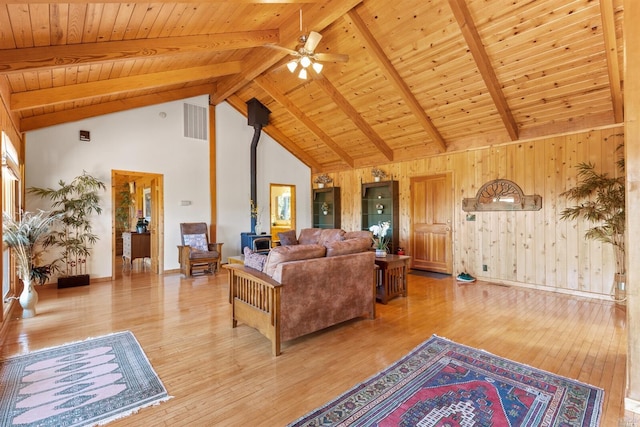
141 140
274 165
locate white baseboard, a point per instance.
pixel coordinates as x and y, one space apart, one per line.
632 405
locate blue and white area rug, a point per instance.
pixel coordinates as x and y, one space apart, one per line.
86 383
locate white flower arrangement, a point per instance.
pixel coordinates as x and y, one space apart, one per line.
380 239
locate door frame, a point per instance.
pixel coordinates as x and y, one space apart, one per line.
156 227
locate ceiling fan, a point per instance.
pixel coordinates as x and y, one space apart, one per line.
306 56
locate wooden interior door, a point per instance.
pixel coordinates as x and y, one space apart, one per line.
431 213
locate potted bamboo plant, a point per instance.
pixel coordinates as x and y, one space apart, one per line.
602 202
27 238
75 203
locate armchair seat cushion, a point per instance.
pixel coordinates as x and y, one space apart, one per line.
203 255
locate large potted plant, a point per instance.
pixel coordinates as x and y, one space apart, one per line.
75 203
27 237
602 202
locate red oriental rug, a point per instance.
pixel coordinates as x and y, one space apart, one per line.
442 383
86 383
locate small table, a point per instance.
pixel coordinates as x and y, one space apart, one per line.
135 245
392 277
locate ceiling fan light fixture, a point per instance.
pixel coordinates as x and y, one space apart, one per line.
317 67
305 61
303 74
292 65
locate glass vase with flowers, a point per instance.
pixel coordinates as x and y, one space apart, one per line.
380 239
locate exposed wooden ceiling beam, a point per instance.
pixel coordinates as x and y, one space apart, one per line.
355 117
165 1
268 86
317 17
470 33
13 60
241 106
95 110
611 50
58 95
376 52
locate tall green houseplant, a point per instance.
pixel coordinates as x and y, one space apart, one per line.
73 203
601 201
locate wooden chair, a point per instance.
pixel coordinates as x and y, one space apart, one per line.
196 254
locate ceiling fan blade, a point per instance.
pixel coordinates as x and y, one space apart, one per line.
284 49
312 41
331 57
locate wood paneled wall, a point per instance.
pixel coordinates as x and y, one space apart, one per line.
6 126
530 248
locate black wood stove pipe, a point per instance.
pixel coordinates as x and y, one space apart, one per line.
254 157
257 116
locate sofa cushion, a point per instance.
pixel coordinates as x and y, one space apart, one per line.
196 241
288 238
309 236
253 259
350 246
281 254
330 235
361 233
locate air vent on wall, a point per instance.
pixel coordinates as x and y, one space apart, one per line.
195 122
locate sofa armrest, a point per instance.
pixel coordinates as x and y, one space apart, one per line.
255 301
238 272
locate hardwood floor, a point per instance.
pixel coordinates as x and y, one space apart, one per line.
228 377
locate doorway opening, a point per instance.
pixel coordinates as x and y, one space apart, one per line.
137 198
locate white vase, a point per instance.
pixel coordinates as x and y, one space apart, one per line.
28 299
320 185
376 178
258 228
381 253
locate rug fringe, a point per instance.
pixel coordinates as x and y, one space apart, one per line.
67 343
131 412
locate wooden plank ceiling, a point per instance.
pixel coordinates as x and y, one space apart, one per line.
423 76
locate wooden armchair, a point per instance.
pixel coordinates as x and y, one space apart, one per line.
196 254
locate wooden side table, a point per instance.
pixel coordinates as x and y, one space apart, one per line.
392 277
135 245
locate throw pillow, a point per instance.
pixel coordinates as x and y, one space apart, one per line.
288 238
196 241
253 259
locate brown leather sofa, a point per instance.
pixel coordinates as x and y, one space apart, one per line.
303 288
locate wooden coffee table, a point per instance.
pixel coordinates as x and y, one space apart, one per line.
392 277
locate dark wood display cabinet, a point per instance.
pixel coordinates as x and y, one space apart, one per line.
379 204
326 207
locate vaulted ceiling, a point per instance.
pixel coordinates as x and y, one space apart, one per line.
423 76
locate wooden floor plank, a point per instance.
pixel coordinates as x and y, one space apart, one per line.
221 375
